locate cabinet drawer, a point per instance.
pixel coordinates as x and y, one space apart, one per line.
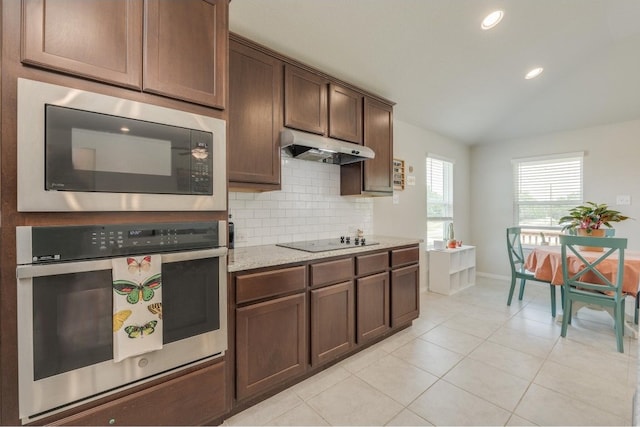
405 256
331 271
374 263
250 287
193 399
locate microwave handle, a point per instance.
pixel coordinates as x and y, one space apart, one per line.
29 271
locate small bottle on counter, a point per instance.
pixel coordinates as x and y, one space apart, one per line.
231 232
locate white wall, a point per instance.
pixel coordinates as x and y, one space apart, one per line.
308 207
408 217
611 167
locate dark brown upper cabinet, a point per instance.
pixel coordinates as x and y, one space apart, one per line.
101 40
374 176
345 114
378 135
305 100
255 118
185 50
175 49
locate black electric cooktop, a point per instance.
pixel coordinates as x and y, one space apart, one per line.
324 245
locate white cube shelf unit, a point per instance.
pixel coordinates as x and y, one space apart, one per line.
452 270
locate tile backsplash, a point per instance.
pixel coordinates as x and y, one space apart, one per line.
308 207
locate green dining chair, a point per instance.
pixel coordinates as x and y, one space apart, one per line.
517 261
581 286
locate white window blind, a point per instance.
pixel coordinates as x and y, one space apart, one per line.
546 188
439 197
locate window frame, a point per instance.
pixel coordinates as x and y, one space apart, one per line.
448 207
550 202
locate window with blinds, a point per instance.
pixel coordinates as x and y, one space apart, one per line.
546 188
439 198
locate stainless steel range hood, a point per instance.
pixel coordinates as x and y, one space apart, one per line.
308 146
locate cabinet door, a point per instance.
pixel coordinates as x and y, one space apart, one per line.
345 114
255 118
378 135
332 322
372 309
196 398
101 40
305 100
271 344
185 50
373 176
405 297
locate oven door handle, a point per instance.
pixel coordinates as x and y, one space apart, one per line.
29 271
191 255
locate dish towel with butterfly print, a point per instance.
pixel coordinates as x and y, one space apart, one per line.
137 306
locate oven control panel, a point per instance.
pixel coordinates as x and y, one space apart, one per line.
67 243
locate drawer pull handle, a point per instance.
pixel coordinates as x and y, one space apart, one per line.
112 421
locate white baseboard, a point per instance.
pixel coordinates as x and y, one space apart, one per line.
493 276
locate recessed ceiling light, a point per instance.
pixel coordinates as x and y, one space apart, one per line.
533 73
492 19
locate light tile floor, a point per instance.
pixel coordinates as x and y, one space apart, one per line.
471 360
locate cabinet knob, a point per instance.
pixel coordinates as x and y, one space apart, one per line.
112 421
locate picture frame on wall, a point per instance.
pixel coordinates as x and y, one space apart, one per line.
398 174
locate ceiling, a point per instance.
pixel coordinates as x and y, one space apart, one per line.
449 76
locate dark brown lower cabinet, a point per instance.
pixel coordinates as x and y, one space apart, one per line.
196 398
405 296
332 322
271 343
372 293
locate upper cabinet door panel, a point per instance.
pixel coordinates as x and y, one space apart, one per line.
345 114
100 40
255 116
305 100
185 50
378 135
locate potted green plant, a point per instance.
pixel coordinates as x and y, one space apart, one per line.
587 219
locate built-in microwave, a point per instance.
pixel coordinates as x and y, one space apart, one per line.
83 151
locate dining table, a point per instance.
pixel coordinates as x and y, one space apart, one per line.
545 262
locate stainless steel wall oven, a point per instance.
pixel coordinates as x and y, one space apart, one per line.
65 317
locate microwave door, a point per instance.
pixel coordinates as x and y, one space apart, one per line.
88 151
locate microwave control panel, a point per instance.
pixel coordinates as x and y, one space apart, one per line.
201 162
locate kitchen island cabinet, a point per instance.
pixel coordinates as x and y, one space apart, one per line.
175 49
255 117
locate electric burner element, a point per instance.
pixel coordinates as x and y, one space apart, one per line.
324 245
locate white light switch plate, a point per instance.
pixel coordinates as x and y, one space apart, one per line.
623 199
411 180
396 198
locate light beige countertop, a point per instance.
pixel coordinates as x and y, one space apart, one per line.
251 257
